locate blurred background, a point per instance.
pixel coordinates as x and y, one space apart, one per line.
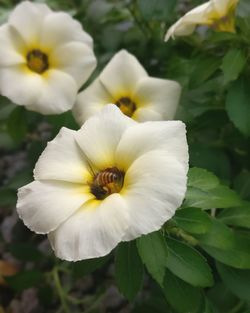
32 280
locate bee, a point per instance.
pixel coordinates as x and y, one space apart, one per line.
37 61
107 182
126 105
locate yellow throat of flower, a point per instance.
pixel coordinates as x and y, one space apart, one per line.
224 23
126 105
107 182
37 61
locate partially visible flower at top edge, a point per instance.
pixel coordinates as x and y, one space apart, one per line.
113 180
125 82
216 14
45 57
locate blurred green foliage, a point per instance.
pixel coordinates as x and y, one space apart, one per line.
200 261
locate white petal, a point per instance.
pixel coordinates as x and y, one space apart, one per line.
187 24
58 94
76 59
90 101
43 206
100 135
93 231
121 74
59 28
28 18
11 45
160 95
169 136
146 114
222 7
62 160
20 86
51 93
154 188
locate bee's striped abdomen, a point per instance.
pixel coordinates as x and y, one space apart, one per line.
106 177
107 182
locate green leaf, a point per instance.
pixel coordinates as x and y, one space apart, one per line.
24 280
205 191
6 107
156 9
242 184
17 125
208 307
219 197
153 306
155 303
219 236
221 298
236 216
62 120
232 65
181 296
192 220
188 264
236 280
153 251
236 255
25 252
202 179
128 269
85 267
214 159
205 67
237 105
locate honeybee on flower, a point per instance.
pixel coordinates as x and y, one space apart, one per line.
111 181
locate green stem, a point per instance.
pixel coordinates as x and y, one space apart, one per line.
60 291
76 301
182 234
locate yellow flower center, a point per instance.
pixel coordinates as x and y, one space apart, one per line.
107 182
224 23
37 61
126 105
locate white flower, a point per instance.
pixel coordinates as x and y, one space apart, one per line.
113 180
125 82
45 57
216 14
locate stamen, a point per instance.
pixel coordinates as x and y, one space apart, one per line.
126 105
37 61
107 182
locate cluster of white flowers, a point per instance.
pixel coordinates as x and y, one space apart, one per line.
114 179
